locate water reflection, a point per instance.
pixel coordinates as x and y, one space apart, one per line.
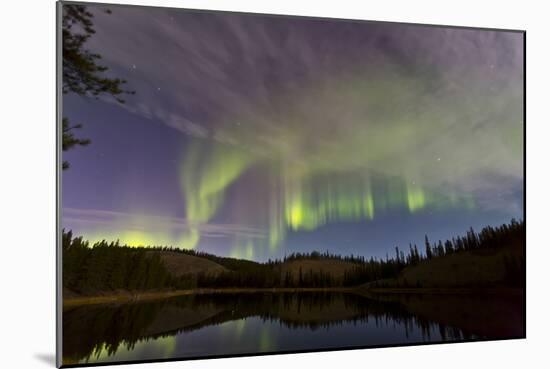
225 324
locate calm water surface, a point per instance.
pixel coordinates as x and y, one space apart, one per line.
227 324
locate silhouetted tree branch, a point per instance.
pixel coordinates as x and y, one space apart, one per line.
82 74
69 140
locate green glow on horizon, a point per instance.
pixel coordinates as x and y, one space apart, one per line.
191 239
243 249
339 144
300 198
379 159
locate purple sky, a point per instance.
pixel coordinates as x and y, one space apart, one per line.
256 136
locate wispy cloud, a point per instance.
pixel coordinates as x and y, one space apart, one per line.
439 110
113 220
352 96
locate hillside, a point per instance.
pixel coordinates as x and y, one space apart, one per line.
475 268
179 264
491 258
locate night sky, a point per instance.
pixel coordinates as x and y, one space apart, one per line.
256 136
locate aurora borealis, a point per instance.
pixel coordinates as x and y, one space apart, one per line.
255 136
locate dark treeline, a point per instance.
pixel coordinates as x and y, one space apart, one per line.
316 255
490 238
269 275
110 266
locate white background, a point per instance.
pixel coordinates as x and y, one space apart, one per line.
27 182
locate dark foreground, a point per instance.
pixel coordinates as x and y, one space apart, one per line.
213 324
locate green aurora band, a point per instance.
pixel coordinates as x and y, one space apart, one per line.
421 119
343 152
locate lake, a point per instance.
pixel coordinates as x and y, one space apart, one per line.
246 323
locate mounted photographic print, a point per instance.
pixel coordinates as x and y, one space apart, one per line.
242 184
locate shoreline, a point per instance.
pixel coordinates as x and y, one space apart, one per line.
124 297
128 297
445 291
